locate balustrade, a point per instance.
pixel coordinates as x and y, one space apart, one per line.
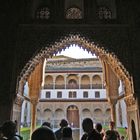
68 86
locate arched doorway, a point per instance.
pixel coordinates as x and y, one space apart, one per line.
73 116
109 61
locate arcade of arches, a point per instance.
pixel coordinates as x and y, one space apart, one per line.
113 72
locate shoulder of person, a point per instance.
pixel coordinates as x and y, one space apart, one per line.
58 130
94 134
17 137
84 137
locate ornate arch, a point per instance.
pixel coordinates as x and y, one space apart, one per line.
100 52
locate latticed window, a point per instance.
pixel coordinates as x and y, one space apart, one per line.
72 94
97 94
85 94
59 94
104 13
48 94
43 13
73 13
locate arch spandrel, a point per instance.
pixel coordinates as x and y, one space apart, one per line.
101 52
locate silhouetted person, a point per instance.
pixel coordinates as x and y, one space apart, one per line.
112 134
43 133
67 133
58 133
1 134
46 124
99 128
90 132
9 131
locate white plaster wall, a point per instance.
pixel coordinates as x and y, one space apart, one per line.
28 112
26 89
124 114
65 93
22 111
120 87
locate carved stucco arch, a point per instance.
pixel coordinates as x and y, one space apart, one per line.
100 51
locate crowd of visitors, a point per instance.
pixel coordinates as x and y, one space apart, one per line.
8 131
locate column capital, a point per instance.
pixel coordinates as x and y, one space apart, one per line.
34 101
130 100
112 101
19 99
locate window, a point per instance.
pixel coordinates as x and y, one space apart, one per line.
43 13
104 13
48 94
85 94
73 13
59 94
72 94
97 94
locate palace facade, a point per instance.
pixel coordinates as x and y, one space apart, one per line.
74 89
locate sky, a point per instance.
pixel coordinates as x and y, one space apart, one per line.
76 52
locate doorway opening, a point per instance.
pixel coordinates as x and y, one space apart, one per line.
111 66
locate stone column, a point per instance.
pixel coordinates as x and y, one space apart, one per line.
79 76
54 78
35 81
90 81
17 107
112 85
65 78
34 102
113 103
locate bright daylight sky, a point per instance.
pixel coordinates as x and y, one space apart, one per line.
76 52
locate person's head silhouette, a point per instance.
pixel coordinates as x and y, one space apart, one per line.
87 125
9 129
63 123
43 133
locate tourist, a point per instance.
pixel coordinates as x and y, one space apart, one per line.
9 130
99 128
112 134
43 133
67 133
58 133
89 132
46 124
